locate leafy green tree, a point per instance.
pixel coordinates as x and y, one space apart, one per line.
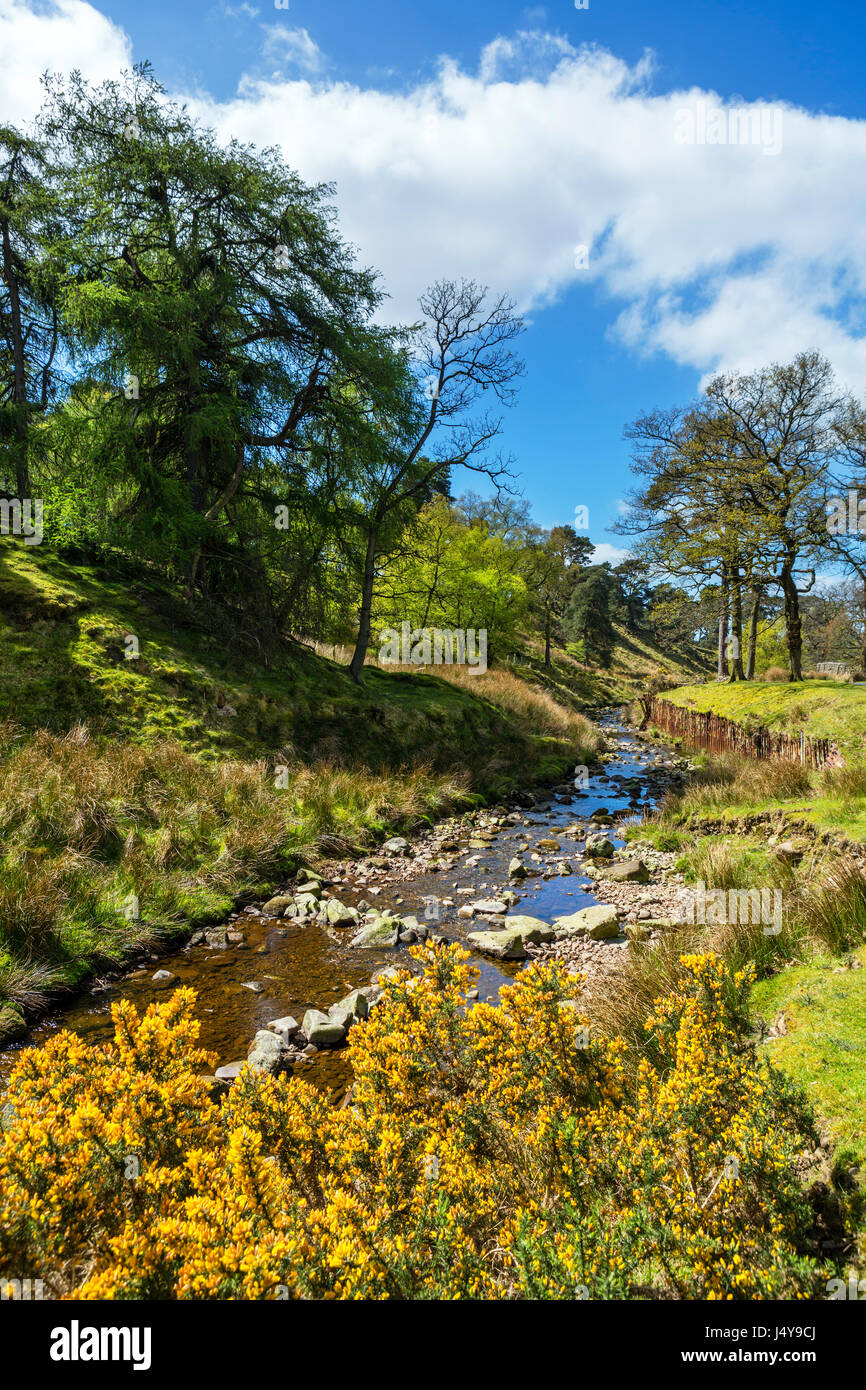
216 309
588 619
29 332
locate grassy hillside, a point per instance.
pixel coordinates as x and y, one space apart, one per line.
822 1041
824 709
63 641
142 797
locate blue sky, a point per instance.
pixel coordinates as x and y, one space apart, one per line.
491 140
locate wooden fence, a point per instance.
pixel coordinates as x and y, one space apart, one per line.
716 734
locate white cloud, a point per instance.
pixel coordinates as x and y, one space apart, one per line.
610 554
58 35
293 47
712 254
717 255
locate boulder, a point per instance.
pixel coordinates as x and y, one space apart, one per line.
355 1005
599 847
265 1054
321 1030
284 1027
339 915
311 885
397 845
377 935
504 945
229 1072
493 907
531 929
516 869
511 943
276 907
597 922
629 871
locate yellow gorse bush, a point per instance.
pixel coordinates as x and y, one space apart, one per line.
486 1152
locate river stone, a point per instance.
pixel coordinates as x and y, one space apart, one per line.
510 944
505 945
531 929
322 1031
310 885
397 845
283 1027
160 977
229 1072
307 902
276 907
629 871
355 1004
217 938
493 907
589 921
548 844
339 915
599 846
377 935
266 1053
254 986
516 869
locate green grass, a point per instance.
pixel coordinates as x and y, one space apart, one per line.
824 1004
62 643
822 709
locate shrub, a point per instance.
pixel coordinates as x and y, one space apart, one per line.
486 1153
775 673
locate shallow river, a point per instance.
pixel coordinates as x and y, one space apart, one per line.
311 966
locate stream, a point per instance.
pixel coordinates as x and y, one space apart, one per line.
296 965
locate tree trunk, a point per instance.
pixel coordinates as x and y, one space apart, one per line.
753 632
736 626
19 373
723 626
366 607
793 625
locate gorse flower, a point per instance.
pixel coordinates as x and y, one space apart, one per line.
487 1152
